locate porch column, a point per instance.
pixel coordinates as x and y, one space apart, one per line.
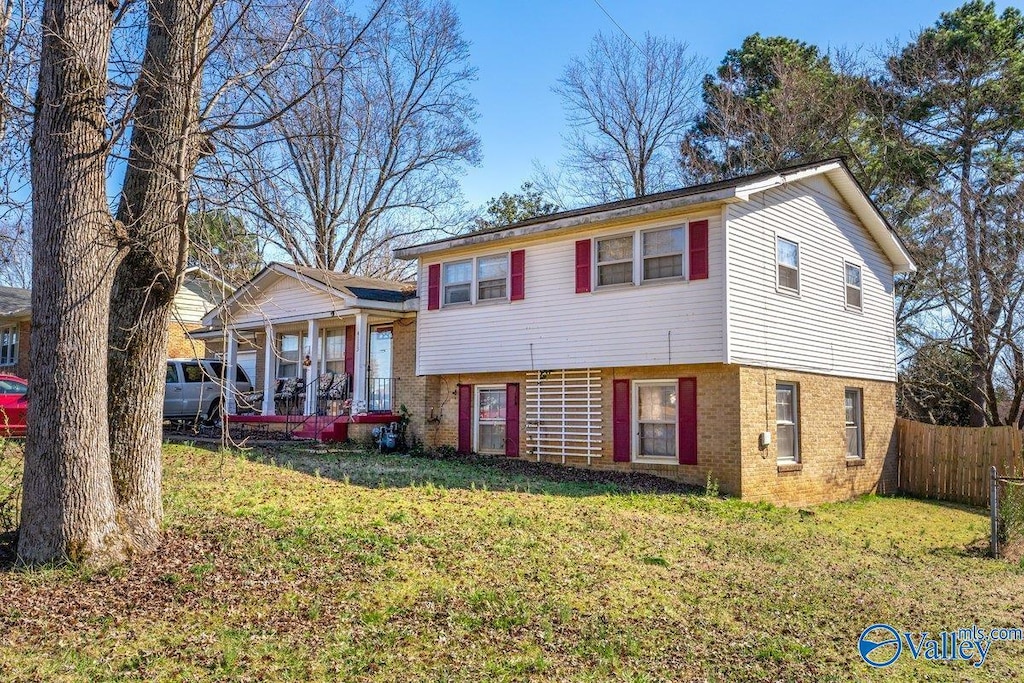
359 398
269 383
230 371
311 371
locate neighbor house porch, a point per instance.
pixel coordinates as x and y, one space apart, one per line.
323 346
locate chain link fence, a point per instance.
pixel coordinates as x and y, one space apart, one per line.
1006 509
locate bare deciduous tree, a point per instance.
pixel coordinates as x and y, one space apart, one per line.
628 107
371 154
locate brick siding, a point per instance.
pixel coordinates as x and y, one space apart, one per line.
731 414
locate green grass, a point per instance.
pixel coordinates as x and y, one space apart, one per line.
326 566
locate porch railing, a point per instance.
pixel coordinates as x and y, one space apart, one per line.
380 394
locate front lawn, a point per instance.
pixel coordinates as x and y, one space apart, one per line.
304 565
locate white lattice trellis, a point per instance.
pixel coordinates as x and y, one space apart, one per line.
563 414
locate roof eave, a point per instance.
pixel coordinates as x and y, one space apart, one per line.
568 223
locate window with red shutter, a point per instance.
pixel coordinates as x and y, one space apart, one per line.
512 420
699 250
434 286
518 270
687 402
350 351
582 266
621 421
465 418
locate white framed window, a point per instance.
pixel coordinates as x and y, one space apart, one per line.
787 259
854 409
663 252
489 411
458 282
787 422
655 420
614 260
288 357
333 351
854 291
9 345
492 277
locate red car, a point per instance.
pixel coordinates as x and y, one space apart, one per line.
13 405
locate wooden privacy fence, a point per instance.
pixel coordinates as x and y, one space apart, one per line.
952 463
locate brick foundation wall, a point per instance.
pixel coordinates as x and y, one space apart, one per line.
718 417
410 390
824 473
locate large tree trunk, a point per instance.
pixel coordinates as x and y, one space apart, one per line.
68 510
153 210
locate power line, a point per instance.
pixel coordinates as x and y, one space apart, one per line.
618 26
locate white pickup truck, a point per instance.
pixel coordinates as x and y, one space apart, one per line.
193 389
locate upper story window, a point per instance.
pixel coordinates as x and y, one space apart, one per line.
663 253
645 256
491 277
787 256
615 260
9 345
458 282
484 278
854 293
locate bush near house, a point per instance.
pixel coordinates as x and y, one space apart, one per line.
299 565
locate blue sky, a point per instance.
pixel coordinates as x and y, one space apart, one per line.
520 48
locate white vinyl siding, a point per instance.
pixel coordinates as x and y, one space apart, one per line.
283 297
672 321
814 332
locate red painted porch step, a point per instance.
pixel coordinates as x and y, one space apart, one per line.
325 429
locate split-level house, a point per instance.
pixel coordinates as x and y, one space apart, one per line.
741 331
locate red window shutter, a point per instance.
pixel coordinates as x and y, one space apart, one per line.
465 418
582 266
512 420
518 274
699 250
434 286
350 350
621 436
687 404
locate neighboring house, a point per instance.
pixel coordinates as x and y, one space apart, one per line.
741 330
200 292
15 326
359 370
